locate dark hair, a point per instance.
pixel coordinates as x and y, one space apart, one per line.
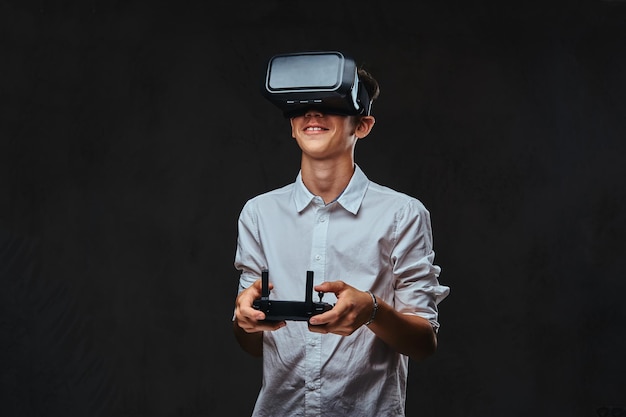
370 83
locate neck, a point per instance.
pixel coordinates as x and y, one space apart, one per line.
327 179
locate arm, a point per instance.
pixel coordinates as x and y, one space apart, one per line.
408 334
409 324
251 343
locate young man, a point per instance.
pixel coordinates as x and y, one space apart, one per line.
371 252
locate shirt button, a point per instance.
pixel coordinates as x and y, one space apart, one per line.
310 386
322 219
318 257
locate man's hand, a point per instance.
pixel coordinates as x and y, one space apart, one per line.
249 318
353 309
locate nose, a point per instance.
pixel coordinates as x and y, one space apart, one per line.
313 113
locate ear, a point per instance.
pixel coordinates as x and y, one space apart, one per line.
364 126
293 134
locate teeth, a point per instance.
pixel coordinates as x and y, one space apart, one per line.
314 128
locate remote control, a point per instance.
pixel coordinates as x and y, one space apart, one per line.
289 310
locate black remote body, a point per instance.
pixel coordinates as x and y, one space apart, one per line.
289 310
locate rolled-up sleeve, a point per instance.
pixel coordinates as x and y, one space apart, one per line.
418 290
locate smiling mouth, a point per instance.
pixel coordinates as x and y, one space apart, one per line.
314 129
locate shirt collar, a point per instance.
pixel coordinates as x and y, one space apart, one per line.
350 199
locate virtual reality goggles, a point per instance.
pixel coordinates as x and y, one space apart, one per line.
327 81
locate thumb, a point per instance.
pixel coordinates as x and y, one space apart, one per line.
329 286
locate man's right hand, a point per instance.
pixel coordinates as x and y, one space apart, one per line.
247 317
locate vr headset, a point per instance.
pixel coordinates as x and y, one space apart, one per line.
327 81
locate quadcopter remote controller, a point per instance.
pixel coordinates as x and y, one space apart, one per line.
289 310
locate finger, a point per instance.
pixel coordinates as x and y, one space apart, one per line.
318 328
268 325
273 324
257 322
330 286
326 317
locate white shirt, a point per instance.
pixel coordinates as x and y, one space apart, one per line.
372 238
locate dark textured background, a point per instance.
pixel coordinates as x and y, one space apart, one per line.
132 132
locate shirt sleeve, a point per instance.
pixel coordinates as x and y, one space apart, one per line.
418 290
249 257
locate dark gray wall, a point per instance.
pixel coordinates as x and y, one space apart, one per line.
133 132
